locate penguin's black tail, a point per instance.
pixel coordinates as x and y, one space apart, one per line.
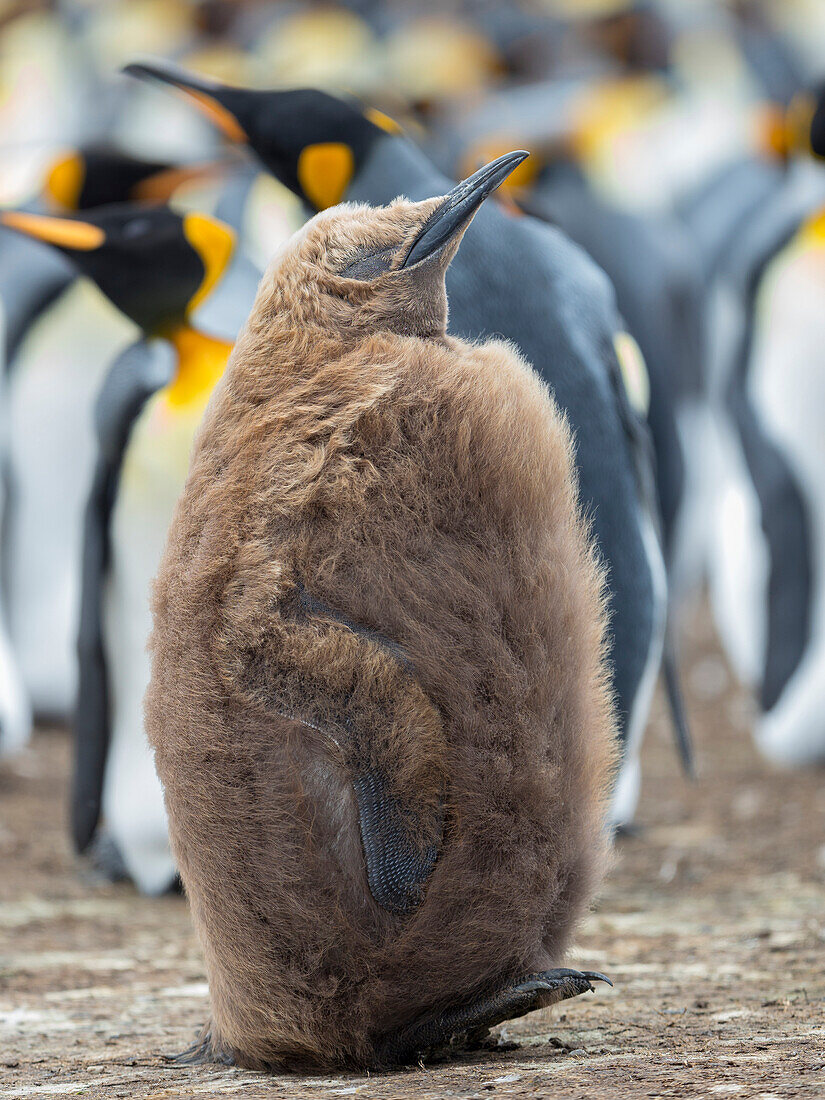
676 703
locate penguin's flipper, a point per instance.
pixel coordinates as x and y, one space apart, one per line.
396 869
358 688
676 704
137 373
468 1024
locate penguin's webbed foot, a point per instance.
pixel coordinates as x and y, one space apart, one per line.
467 1025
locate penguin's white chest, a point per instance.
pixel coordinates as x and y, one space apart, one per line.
787 387
151 480
53 385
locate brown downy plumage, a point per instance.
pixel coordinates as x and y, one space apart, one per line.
378 702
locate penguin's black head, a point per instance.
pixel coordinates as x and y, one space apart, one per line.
358 269
153 264
312 142
100 175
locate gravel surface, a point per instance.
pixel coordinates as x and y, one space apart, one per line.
711 924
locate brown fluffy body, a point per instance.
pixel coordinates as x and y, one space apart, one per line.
424 488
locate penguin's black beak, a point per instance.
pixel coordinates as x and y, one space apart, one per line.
458 207
215 100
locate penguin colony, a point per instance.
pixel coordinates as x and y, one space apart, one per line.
421 541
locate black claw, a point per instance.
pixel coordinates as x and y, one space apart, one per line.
595 976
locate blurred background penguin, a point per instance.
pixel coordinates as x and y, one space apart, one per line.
680 145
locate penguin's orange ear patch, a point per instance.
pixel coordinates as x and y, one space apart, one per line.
65 180
324 172
61 232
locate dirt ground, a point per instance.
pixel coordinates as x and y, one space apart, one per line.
712 926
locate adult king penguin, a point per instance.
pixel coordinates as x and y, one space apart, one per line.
516 278
66 338
62 337
767 562
379 703
156 267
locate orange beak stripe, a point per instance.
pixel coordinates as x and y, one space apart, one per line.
62 232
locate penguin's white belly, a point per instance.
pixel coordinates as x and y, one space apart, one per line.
52 389
693 534
738 561
787 388
151 480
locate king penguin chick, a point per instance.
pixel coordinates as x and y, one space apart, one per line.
379 703
515 278
156 267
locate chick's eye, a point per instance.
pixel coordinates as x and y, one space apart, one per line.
369 265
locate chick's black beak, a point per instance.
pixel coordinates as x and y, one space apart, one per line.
459 205
215 100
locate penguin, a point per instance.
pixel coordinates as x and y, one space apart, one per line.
52 378
65 344
156 267
100 174
784 388
33 276
763 560
765 565
516 278
379 704
723 206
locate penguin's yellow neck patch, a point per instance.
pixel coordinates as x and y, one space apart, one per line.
811 234
214 242
65 181
324 172
201 361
